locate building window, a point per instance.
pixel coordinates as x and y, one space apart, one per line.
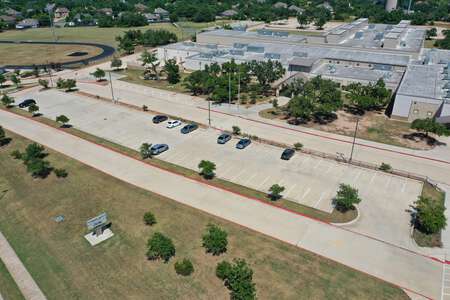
416 111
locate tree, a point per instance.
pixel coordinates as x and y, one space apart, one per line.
236 130
150 62
15 80
267 72
149 218
301 107
145 151
238 278
172 70
61 173
99 74
432 32
275 191
32 152
125 44
3 139
215 240
429 125
302 19
116 63
195 82
63 120
7 101
39 168
298 146
429 215
184 267
346 197
33 109
2 80
207 169
68 84
44 83
160 247
368 97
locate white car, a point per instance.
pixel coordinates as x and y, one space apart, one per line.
173 123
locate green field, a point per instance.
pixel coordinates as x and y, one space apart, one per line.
8 288
65 267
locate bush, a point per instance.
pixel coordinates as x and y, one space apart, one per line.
298 146
144 108
346 197
145 151
215 240
275 191
160 247
429 215
16 154
236 130
223 270
238 278
385 167
61 173
149 219
207 169
184 267
38 168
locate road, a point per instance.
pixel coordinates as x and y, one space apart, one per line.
416 273
308 180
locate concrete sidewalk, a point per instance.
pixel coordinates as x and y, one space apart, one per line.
30 290
416 273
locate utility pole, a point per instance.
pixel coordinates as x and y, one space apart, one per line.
110 84
354 140
209 113
239 89
50 74
229 88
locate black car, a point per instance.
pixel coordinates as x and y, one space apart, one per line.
159 118
287 154
223 138
189 128
26 103
243 143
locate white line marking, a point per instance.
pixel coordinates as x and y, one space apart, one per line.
318 164
320 199
404 185
264 182
389 181
330 168
303 161
290 190
230 168
373 177
356 177
306 193
250 178
238 174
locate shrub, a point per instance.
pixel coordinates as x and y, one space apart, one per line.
16 154
144 107
346 197
238 278
236 130
429 215
145 151
298 146
61 173
44 83
275 192
207 169
385 167
38 167
149 218
184 267
215 240
160 247
223 270
63 120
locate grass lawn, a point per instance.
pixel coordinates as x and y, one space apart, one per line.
429 240
66 267
8 287
334 217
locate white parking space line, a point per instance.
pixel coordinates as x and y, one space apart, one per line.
290 190
404 185
320 199
357 176
225 173
389 181
263 183
246 182
303 161
306 193
330 168
237 175
373 177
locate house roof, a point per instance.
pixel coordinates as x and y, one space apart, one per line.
295 8
28 22
8 19
62 10
161 11
280 5
140 7
229 13
12 12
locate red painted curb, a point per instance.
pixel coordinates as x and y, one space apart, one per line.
329 138
244 196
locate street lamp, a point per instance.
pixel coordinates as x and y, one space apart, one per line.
354 140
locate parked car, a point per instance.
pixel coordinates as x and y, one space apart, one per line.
223 138
158 148
26 103
173 123
243 143
287 154
159 118
189 128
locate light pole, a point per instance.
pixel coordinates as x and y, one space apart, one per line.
110 84
229 88
354 140
239 89
209 113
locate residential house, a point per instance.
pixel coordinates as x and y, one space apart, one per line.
295 9
280 5
10 20
106 11
229 13
163 14
27 23
140 7
152 18
61 13
12 12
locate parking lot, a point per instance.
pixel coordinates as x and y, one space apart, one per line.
308 180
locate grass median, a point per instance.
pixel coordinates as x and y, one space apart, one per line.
66 267
334 217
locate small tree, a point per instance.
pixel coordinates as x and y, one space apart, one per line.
2 80
44 83
236 130
151 63
346 197
238 278
429 125
63 120
184 267
160 247
149 218
173 71
275 191
7 101
33 151
207 169
145 151
385 167
116 63
33 109
16 154
215 240
15 80
298 146
38 167
275 103
99 74
3 139
61 173
429 215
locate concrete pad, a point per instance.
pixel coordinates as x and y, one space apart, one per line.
94 239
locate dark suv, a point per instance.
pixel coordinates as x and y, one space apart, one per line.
223 138
26 103
189 128
243 143
159 118
287 154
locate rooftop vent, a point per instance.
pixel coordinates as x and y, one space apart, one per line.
255 49
237 52
272 55
301 54
239 45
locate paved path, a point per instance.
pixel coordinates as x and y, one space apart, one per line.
416 273
30 290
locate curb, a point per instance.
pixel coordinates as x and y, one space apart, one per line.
352 221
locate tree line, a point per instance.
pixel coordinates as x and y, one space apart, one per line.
149 38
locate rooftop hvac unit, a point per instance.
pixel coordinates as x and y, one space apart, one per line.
379 36
272 55
211 46
301 54
331 69
359 35
382 67
237 52
372 26
239 45
255 49
190 44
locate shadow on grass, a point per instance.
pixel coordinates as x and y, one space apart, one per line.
420 137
